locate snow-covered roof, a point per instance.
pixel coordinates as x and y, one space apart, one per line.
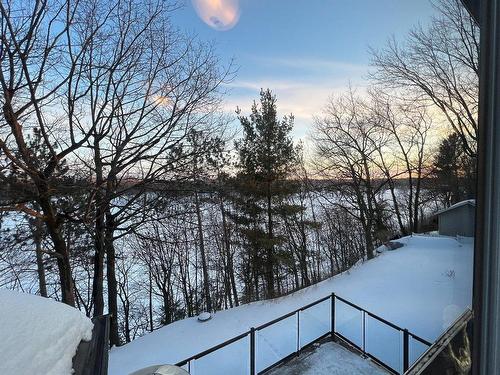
39 335
468 202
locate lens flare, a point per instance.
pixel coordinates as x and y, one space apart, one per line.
221 15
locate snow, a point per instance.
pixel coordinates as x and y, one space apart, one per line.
328 359
204 316
470 202
422 286
39 335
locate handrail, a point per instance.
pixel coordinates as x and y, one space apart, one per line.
392 325
333 297
213 349
421 340
274 321
314 303
348 302
292 313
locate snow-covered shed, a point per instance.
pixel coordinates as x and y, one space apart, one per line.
458 219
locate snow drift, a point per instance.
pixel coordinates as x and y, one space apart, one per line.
39 335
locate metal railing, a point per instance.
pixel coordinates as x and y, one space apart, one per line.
272 343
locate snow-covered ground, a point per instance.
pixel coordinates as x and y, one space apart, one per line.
329 359
39 335
423 287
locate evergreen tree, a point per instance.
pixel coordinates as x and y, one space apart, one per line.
455 170
266 158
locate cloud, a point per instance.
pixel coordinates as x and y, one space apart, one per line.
302 86
256 85
302 98
313 65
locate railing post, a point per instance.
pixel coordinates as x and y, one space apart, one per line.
252 351
332 304
363 314
406 350
405 363
298 331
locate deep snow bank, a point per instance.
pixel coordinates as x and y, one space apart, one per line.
422 286
39 335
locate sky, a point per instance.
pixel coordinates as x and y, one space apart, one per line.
303 50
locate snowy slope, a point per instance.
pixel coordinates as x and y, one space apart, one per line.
39 335
423 287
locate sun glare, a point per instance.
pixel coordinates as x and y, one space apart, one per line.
221 15
161 100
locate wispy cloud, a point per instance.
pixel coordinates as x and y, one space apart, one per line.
316 65
302 85
256 85
304 99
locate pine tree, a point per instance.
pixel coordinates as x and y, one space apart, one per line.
266 158
455 170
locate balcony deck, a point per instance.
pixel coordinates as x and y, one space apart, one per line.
328 358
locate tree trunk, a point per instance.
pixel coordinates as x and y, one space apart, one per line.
416 205
98 279
269 266
395 203
126 313
150 295
167 306
114 338
206 281
225 275
227 243
370 215
62 254
303 258
39 258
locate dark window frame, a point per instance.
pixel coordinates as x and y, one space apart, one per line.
486 295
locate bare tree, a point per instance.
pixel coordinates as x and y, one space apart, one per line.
151 87
404 158
109 85
347 141
342 238
42 68
439 65
226 234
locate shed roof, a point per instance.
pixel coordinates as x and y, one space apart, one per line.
470 202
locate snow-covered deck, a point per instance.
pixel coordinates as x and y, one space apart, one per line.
423 287
328 359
